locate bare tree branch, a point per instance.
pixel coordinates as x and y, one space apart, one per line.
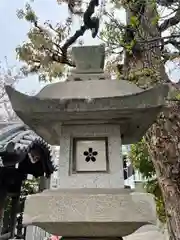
175 43
160 38
116 22
171 21
89 23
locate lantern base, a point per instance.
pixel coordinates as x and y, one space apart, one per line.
90 212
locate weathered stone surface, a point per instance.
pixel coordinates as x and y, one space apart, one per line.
90 212
133 112
148 232
89 58
114 178
88 89
98 101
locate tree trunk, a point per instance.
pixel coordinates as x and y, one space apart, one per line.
163 141
145 68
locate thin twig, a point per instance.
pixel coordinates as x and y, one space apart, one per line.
80 32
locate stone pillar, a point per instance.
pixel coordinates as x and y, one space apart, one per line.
90 157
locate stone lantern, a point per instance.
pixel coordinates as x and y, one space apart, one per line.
90 116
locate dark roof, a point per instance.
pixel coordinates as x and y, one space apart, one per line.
18 144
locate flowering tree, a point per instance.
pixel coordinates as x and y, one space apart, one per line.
9 75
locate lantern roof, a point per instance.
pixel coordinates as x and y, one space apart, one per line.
89 96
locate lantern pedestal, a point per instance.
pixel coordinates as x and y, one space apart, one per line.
90 212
